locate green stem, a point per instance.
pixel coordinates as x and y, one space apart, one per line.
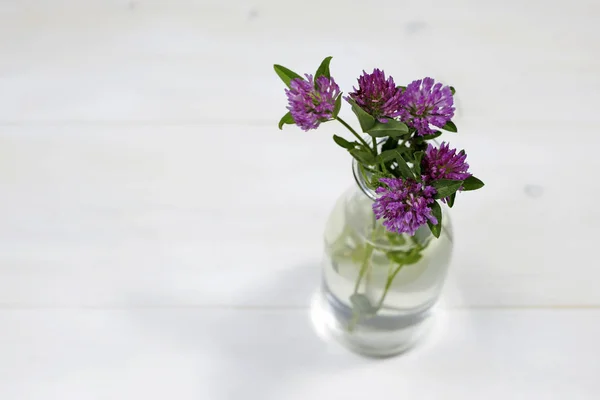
363 270
391 275
353 132
374 147
368 252
353 321
410 133
364 266
376 228
388 283
383 168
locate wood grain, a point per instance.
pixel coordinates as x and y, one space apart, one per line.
161 238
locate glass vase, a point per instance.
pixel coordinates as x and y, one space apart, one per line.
378 286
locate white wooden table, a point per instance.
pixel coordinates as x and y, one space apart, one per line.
161 239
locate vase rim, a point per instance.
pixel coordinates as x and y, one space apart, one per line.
360 179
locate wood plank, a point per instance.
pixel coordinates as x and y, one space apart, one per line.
264 355
193 61
234 215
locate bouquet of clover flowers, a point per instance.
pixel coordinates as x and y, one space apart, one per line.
409 175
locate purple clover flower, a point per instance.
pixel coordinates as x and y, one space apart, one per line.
404 205
445 163
425 102
312 104
377 96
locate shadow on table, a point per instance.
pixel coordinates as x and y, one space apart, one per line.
256 350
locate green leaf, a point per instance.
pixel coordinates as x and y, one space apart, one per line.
285 74
408 154
286 119
419 146
396 154
450 127
404 169
386 156
452 90
323 69
395 239
362 304
472 183
365 119
337 107
417 163
374 182
436 211
403 88
451 200
389 155
404 257
434 135
343 142
363 156
390 143
445 187
392 128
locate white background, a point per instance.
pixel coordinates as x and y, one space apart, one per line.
160 238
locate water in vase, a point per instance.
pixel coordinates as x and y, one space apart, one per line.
378 286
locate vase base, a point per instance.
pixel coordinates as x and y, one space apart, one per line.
376 336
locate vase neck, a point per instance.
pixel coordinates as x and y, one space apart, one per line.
359 176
